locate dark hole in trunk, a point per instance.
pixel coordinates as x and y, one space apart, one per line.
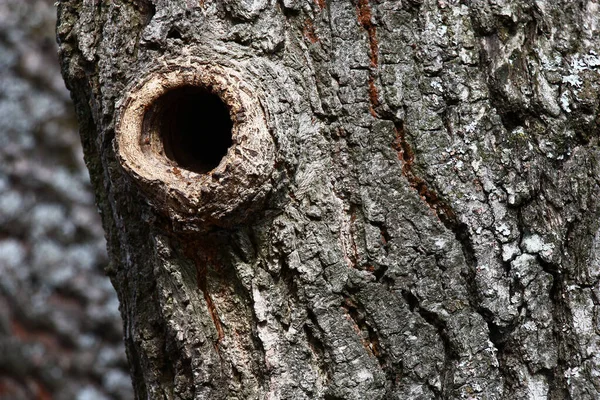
174 34
194 126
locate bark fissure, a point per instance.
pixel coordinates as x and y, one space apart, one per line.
365 18
563 321
316 345
203 254
451 356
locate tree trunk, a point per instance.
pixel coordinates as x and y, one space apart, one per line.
396 199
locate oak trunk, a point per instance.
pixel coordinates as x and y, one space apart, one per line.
346 199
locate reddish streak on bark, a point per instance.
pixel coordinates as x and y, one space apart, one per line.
309 31
383 235
212 310
193 250
430 197
321 4
365 19
370 343
365 16
373 95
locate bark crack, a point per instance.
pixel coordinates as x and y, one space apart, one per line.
451 356
201 259
563 321
315 344
407 156
368 335
365 18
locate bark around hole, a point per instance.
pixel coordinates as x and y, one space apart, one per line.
194 137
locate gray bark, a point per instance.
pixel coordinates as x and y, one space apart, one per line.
409 208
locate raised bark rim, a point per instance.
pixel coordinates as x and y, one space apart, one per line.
221 192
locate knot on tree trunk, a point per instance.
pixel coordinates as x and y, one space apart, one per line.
194 137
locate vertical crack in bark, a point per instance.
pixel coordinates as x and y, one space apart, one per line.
441 209
316 346
201 259
451 357
448 217
365 18
563 321
212 310
368 335
349 245
228 304
309 31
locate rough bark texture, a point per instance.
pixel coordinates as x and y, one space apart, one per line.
60 328
429 225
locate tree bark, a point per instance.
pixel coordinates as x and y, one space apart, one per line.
408 208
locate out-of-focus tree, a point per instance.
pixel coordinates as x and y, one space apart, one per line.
60 329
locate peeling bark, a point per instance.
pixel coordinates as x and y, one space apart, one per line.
424 226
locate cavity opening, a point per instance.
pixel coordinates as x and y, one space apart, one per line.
194 127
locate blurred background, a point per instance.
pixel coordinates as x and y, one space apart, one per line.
60 328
